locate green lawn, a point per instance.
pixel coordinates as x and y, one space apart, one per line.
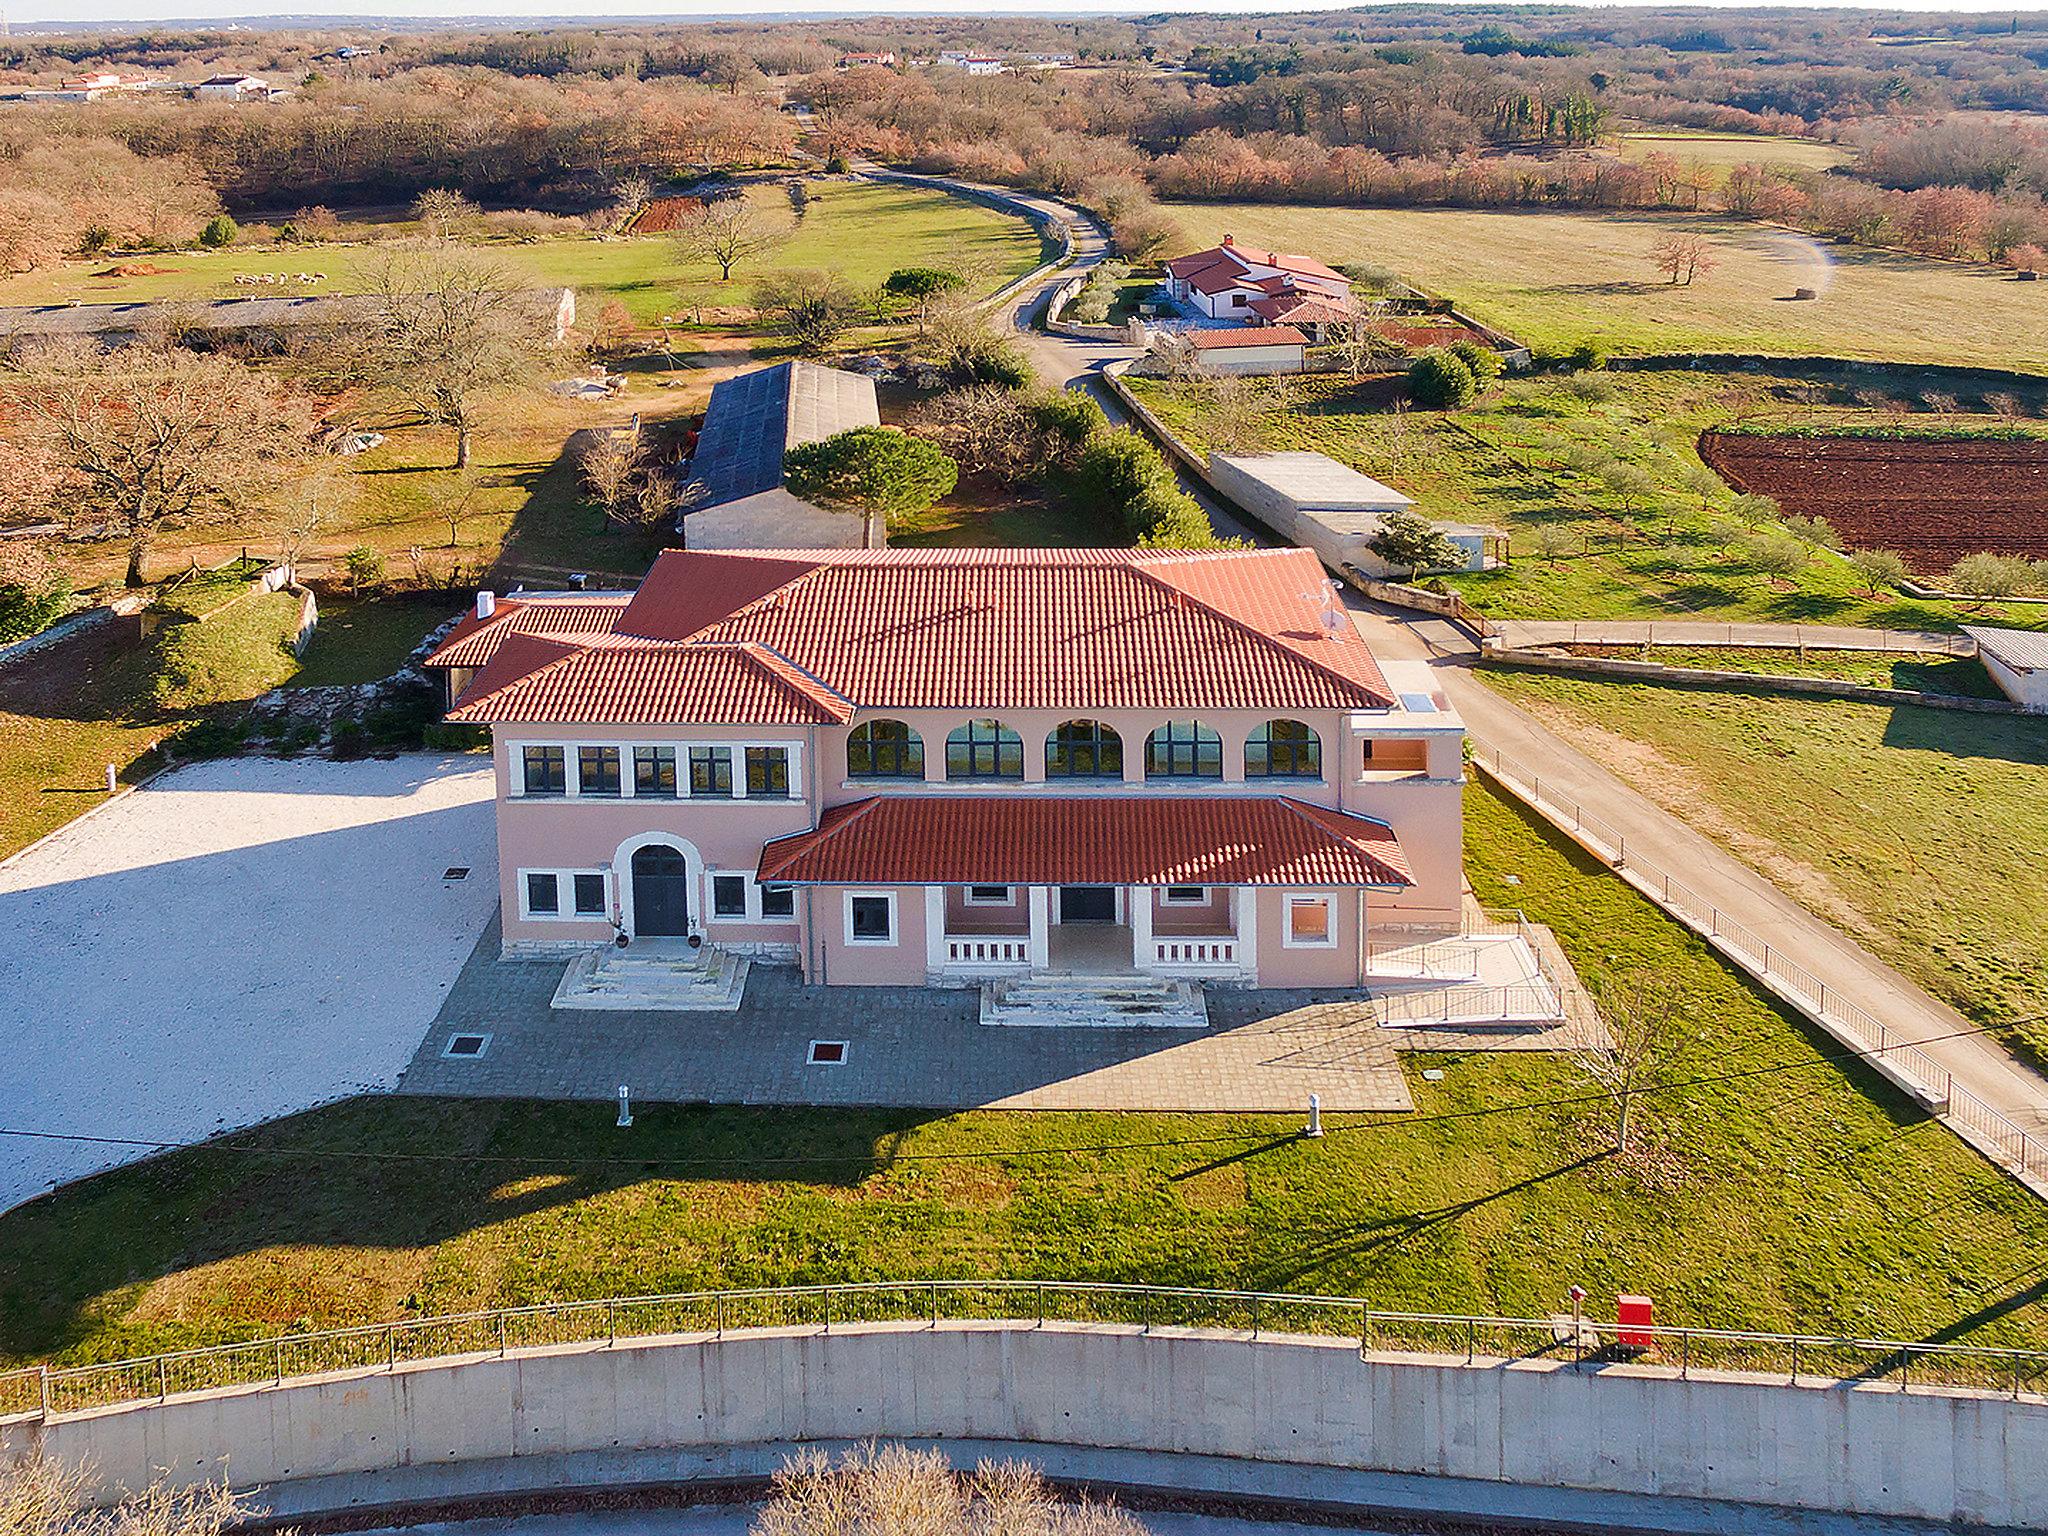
1720 152
1811 1198
1935 673
362 640
1504 463
861 230
1922 833
1554 280
106 696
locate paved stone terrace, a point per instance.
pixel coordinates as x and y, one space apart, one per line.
906 1047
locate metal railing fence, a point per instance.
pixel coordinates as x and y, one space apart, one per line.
1801 1359
1981 1125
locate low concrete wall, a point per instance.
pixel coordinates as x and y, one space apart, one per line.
506 1423
1774 682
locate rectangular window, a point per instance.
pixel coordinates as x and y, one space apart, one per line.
543 895
778 901
1310 923
988 895
1187 896
589 895
870 919
543 771
597 770
768 772
728 895
654 770
711 771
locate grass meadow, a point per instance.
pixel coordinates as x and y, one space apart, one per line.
1555 280
1719 153
1810 1197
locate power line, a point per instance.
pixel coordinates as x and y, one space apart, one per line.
1236 1138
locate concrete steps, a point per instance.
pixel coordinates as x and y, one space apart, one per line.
1051 1000
655 979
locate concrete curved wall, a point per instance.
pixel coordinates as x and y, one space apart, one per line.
1264 1418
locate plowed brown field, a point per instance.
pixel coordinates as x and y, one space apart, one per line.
1933 500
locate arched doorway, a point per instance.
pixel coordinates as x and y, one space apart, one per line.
661 892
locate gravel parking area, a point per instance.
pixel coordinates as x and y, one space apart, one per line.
236 941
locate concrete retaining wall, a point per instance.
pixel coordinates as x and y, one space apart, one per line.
1775 682
500 1424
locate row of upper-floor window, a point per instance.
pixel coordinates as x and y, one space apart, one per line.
710 771
1084 749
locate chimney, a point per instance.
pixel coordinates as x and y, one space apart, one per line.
486 603
1230 239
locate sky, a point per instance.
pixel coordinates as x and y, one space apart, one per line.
113 11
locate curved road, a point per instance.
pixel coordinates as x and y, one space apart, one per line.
1976 1062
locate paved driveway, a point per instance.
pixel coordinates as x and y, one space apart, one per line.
237 941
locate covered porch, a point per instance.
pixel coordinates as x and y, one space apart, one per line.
1198 932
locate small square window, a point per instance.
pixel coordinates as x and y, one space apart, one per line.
543 895
597 771
988 895
1309 922
827 1053
589 895
778 901
870 920
1187 896
728 895
711 772
768 772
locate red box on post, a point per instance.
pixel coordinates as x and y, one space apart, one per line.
1634 1316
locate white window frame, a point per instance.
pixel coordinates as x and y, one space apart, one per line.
1008 898
750 905
1293 899
565 884
760 891
895 925
572 787
1199 899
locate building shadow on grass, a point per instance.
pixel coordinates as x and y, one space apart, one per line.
2010 738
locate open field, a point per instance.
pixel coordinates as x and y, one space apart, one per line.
1723 151
1554 280
1922 833
861 230
1505 462
1806 1198
1932 500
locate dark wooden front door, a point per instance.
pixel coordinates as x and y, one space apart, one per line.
1087 903
661 893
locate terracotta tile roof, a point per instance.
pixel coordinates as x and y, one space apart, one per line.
474 641
1219 277
1243 257
1250 336
1304 308
1067 840
840 630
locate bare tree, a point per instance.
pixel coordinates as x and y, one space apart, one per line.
1239 413
609 463
135 441
725 231
1362 342
443 212
1642 1024
1683 257
448 328
892 1490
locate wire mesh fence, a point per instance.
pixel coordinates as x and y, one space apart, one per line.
1982 1126
1802 1359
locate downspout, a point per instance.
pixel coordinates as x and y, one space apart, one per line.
1363 895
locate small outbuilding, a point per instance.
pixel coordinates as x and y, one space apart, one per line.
2017 660
737 499
1314 500
1252 349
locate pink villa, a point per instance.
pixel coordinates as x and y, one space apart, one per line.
940 767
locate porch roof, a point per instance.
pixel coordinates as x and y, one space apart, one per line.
1088 840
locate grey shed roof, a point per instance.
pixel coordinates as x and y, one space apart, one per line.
1315 480
754 419
2024 650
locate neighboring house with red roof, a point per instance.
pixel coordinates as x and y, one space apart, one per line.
933 767
1225 281
1266 349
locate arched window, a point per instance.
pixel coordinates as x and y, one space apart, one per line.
1084 749
984 749
1283 749
1184 750
884 749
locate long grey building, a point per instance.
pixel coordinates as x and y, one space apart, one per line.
735 478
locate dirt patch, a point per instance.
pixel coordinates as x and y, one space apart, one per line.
665 214
1933 500
135 269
